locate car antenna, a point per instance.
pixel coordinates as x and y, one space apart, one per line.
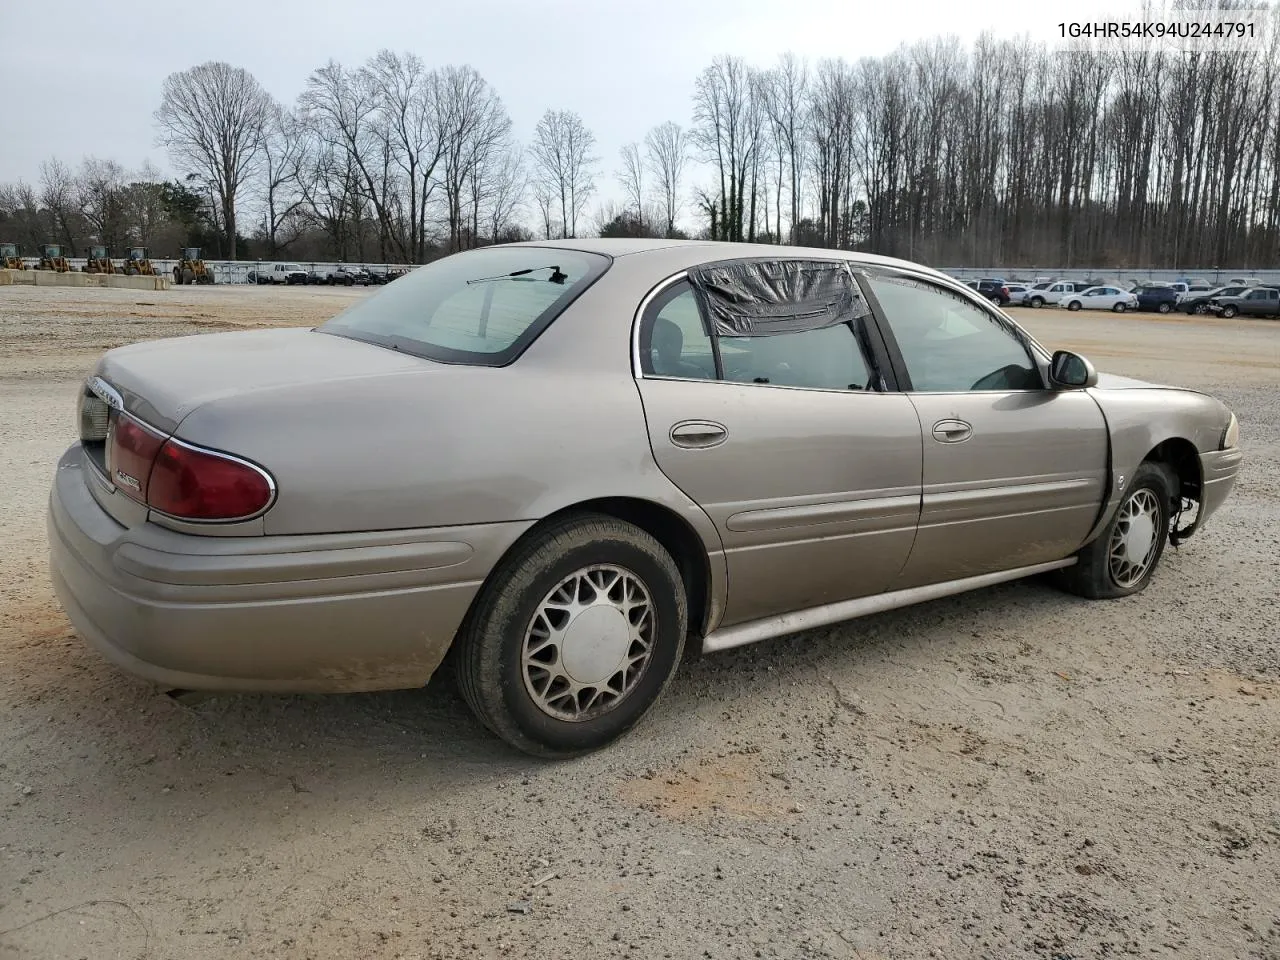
556 275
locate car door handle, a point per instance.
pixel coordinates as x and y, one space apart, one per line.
697 434
952 431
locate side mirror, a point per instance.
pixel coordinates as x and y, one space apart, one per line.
1071 370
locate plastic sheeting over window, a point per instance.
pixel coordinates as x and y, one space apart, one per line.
760 298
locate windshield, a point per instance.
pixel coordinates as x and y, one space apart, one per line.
481 307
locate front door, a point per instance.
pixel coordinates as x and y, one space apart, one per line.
1014 473
808 468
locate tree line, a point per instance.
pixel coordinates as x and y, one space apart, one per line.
1001 152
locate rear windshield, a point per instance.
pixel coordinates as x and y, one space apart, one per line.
480 307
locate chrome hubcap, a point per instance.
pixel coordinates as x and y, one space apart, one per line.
1136 538
589 643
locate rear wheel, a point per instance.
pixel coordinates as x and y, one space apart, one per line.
574 638
1164 307
1119 308
1122 559
188 275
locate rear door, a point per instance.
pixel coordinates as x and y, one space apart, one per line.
792 442
1014 473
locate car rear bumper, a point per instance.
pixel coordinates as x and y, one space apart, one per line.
322 613
1218 470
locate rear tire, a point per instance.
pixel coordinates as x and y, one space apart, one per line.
188 275
1119 308
1125 554
519 649
1163 308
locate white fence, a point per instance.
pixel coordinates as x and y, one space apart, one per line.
237 271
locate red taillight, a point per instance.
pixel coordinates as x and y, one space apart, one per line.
180 480
193 484
131 450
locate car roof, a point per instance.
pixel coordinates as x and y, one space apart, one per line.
689 253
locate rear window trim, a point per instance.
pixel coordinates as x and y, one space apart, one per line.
470 358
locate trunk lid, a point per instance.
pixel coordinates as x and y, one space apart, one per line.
162 381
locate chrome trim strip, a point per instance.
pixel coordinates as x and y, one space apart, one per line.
787 623
271 485
105 392
949 282
778 518
944 499
637 368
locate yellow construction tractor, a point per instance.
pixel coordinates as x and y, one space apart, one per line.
191 269
52 258
99 261
11 257
137 262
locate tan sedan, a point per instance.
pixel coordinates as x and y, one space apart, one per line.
567 460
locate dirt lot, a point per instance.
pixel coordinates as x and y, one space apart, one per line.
1010 773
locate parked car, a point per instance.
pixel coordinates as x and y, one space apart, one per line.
1017 292
1245 282
348 275
1050 292
1101 298
1254 302
993 290
271 510
318 275
1161 298
288 273
1198 303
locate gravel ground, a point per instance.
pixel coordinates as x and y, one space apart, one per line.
1010 773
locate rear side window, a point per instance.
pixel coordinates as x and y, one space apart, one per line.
483 307
831 354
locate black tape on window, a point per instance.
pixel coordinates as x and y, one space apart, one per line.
761 298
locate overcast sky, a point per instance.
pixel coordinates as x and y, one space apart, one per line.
84 76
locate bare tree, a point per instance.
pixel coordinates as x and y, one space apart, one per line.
211 119
667 154
100 194
145 215
545 200
474 126
58 197
508 184
21 218
284 154
562 154
729 120
407 96
631 177
784 92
